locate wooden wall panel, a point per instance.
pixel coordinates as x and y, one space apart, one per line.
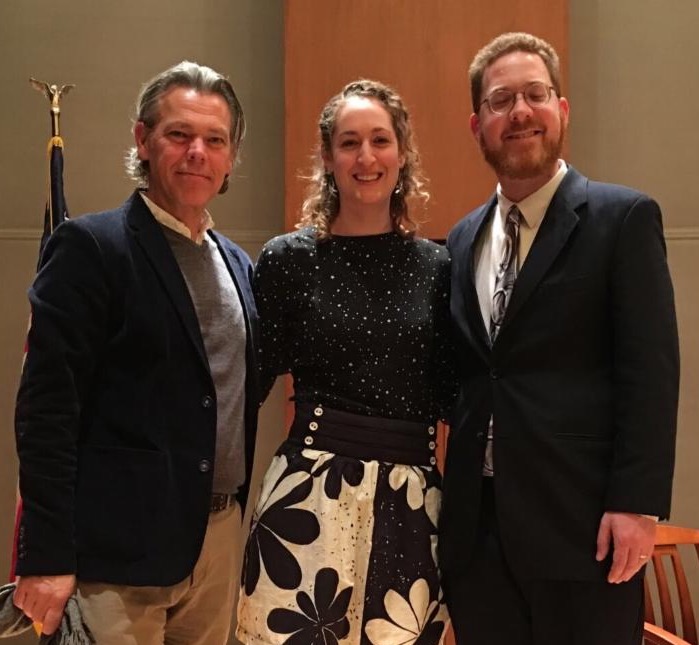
423 49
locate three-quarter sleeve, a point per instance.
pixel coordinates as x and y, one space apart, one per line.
271 288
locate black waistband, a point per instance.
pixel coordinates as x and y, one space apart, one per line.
364 437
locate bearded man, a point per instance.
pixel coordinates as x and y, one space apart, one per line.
561 450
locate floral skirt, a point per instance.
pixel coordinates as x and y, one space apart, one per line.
342 549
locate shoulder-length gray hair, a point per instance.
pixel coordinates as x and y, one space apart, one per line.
188 75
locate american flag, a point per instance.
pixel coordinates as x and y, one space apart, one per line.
56 212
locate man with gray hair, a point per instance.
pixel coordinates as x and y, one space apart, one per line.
137 408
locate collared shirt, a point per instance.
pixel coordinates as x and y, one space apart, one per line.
487 255
164 218
488 252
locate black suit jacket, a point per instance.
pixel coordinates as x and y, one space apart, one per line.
582 383
116 411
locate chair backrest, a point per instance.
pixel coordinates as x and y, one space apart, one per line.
666 548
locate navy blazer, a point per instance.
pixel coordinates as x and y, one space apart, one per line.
116 410
582 383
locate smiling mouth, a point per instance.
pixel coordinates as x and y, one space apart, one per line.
192 174
368 178
522 134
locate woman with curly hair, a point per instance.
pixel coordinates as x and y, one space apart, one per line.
343 539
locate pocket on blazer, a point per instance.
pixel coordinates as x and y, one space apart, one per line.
578 436
568 284
118 494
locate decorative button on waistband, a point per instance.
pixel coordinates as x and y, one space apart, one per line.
433 460
432 445
204 466
318 411
308 441
313 426
430 430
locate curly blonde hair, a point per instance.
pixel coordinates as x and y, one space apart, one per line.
322 203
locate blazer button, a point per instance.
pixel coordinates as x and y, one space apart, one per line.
207 401
204 466
313 426
318 411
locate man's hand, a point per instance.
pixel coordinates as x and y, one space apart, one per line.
632 537
42 598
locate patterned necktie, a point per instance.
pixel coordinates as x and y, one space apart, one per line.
504 281
507 271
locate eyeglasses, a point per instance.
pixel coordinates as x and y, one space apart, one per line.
535 94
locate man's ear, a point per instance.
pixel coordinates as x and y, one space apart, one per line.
564 109
140 134
475 125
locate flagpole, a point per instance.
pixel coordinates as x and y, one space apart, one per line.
55 213
55 204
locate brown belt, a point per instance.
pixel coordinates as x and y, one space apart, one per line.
221 501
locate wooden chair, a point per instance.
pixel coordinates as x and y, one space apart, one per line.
654 635
666 549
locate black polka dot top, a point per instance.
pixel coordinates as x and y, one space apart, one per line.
362 323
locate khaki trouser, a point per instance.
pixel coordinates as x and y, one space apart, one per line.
196 611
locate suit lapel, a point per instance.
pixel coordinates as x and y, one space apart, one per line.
558 224
472 307
149 236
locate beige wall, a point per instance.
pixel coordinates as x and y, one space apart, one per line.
633 91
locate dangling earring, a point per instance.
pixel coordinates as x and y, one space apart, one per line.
399 187
224 185
330 182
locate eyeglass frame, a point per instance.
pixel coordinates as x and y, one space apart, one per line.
515 95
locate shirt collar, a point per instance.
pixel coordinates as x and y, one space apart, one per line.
533 207
167 220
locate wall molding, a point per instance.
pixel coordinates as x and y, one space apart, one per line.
261 236
19 234
250 237
237 235
682 233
